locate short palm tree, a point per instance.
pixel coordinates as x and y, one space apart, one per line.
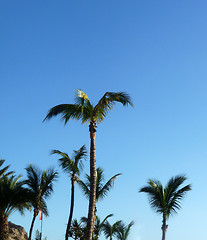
98 226
76 230
102 187
3 171
13 197
73 167
166 201
110 230
122 231
83 110
40 184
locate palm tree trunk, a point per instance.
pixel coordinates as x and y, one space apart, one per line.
71 207
92 198
164 227
32 224
4 228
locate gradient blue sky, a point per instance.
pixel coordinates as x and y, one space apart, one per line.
154 50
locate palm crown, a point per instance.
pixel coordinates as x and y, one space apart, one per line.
123 230
83 110
111 230
166 200
13 195
72 165
102 188
41 185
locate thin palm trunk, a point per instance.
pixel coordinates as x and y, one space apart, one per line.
92 198
164 227
71 207
4 228
32 224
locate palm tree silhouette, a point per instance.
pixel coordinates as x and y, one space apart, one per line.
13 197
122 232
40 184
73 167
83 110
110 230
166 201
102 187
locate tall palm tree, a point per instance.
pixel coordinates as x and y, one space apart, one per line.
13 197
166 201
83 110
110 230
102 187
40 184
73 167
122 232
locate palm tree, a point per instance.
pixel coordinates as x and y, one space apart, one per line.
73 167
122 232
3 170
166 201
102 188
110 230
76 230
83 110
40 184
13 197
98 226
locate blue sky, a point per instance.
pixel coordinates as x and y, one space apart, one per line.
154 50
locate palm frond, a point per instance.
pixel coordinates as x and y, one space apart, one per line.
107 102
3 170
84 187
103 191
67 111
48 178
154 190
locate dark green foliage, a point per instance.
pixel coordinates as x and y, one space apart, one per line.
123 231
166 200
83 110
102 188
3 171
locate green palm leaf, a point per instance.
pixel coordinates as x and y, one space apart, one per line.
102 188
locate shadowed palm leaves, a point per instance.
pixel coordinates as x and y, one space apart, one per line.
166 201
13 197
111 230
40 184
123 230
98 226
3 170
83 110
76 230
71 166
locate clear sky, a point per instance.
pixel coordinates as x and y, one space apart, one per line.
154 50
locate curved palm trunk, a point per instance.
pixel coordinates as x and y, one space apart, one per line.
71 207
32 224
164 227
4 228
92 198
